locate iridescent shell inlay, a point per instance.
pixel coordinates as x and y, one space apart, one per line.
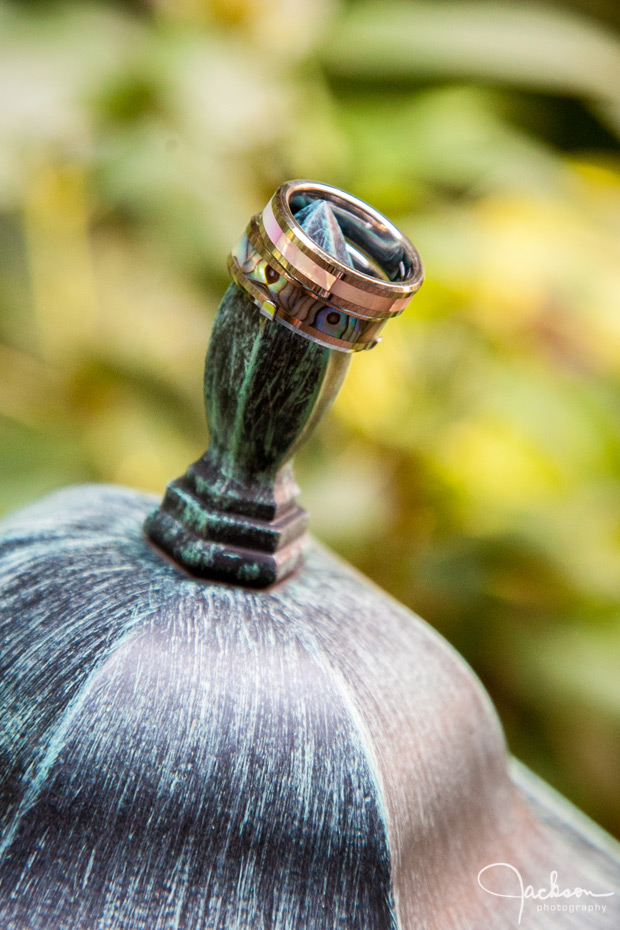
298 308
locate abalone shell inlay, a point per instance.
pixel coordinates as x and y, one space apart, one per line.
293 305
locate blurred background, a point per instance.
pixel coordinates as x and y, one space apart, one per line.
480 444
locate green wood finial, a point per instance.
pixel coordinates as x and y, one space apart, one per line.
233 515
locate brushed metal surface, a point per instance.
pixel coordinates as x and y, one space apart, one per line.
176 753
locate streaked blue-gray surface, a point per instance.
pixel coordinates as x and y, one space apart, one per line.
182 754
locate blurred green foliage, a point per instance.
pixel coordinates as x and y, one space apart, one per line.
472 463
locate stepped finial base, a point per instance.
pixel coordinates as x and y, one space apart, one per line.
316 276
227 546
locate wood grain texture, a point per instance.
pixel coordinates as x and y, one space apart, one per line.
184 754
234 514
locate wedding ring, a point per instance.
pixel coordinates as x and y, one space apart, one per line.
294 281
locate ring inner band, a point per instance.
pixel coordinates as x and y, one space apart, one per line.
373 250
365 297
384 271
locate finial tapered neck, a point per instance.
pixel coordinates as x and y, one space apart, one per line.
316 276
234 515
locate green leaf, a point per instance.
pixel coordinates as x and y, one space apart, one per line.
528 45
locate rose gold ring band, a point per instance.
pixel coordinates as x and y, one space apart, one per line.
387 269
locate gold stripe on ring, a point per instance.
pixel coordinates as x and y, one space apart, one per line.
357 293
297 259
270 307
381 310
295 282
282 212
